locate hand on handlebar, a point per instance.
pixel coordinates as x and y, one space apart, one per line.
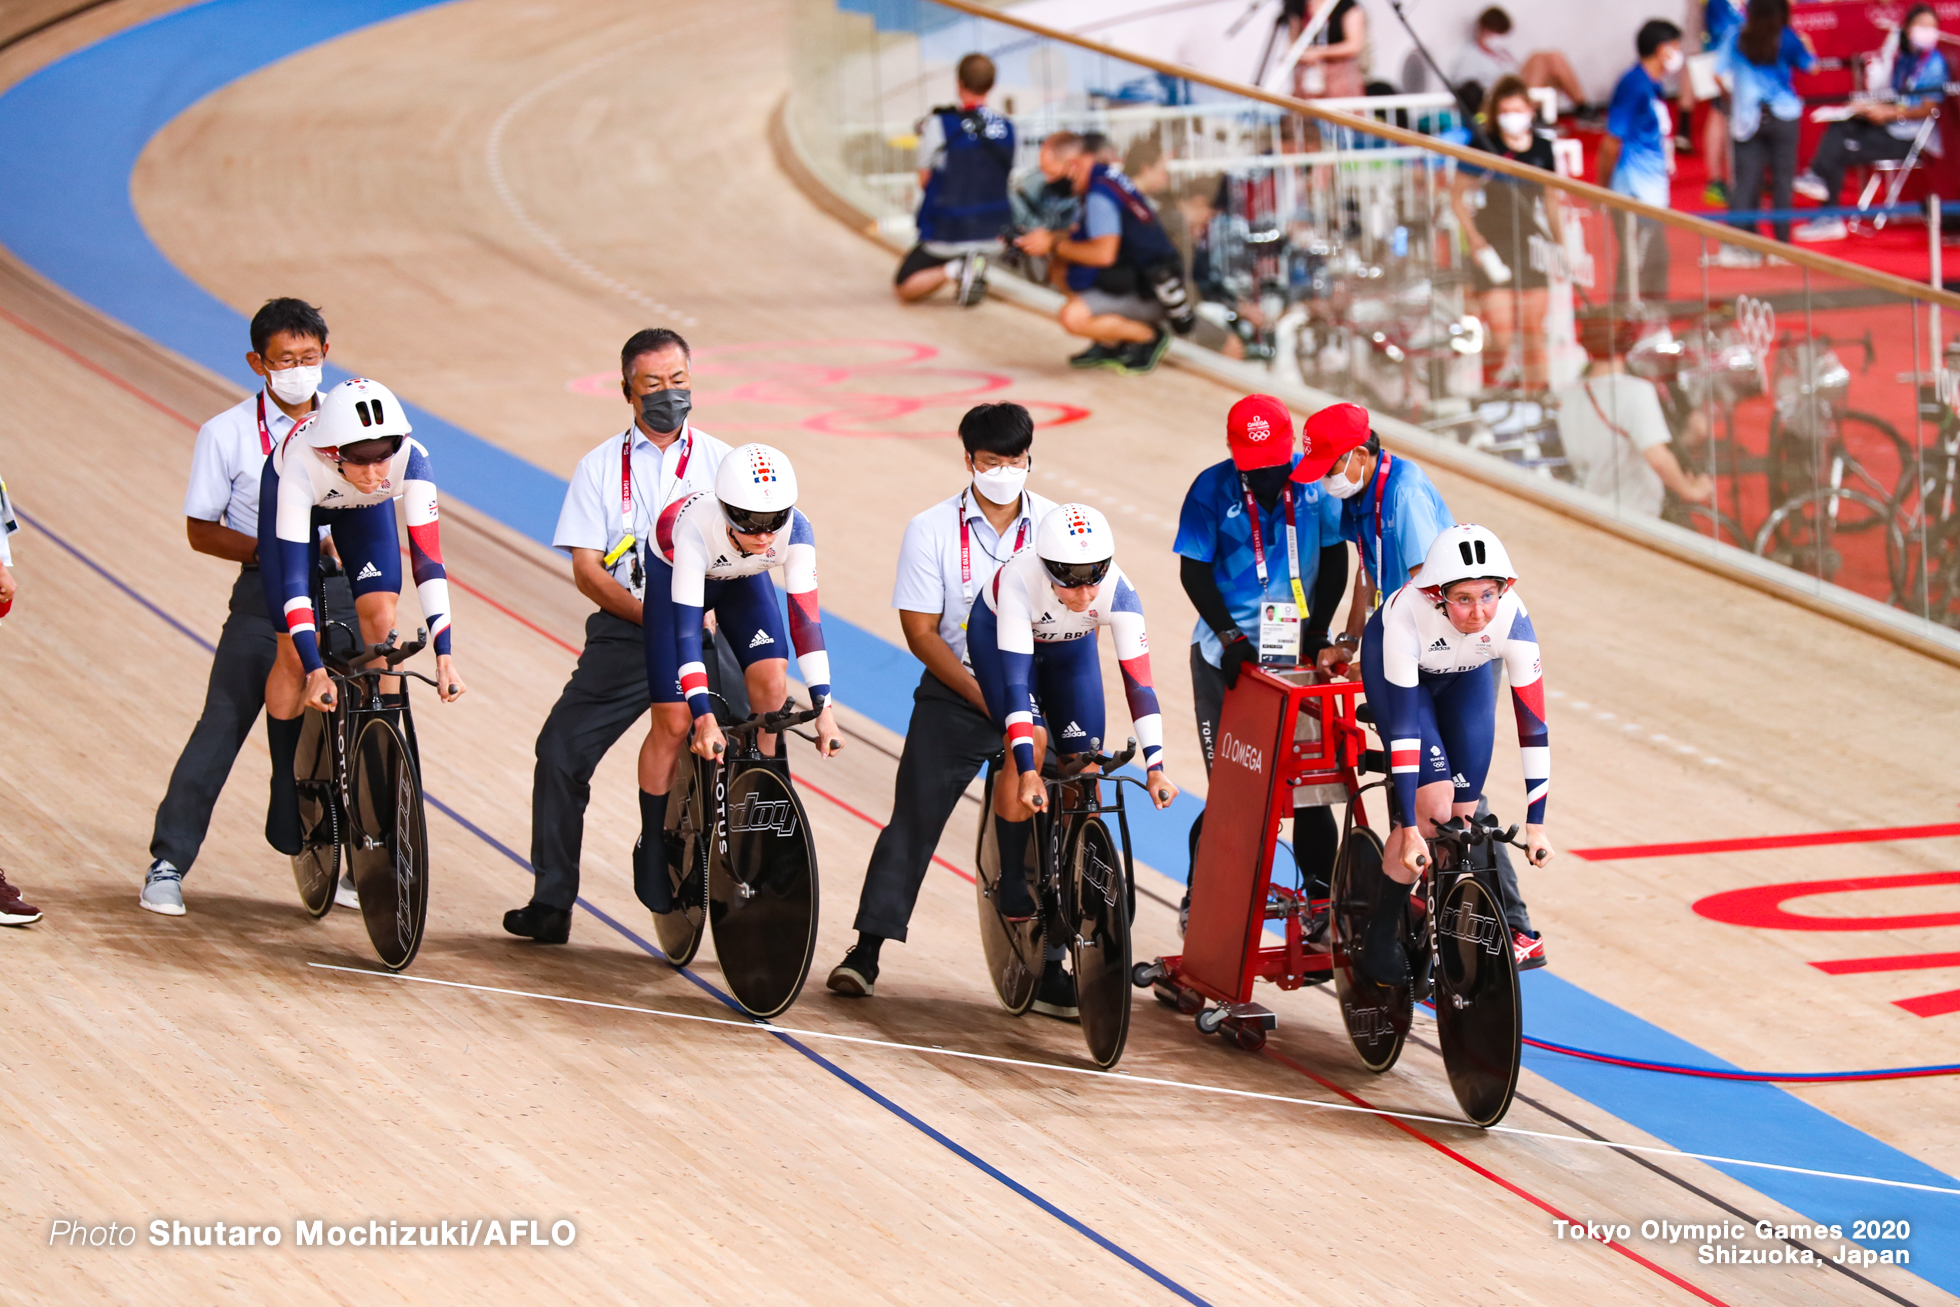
1539 849
1333 660
709 742
1162 790
319 690
449 686
1033 791
828 740
1415 855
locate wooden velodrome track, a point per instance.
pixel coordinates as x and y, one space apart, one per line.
487 197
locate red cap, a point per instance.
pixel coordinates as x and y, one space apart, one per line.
1260 432
1328 437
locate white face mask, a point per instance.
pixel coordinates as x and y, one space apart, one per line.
1515 123
1001 485
295 385
1671 61
1924 36
1336 483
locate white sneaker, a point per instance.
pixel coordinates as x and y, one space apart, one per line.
1734 256
1822 229
163 890
345 896
1811 187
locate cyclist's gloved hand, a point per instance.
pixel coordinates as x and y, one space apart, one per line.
1237 654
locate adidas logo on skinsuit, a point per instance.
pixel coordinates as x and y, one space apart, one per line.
1440 644
369 571
1073 732
761 638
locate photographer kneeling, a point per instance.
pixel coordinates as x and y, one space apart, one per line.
1124 277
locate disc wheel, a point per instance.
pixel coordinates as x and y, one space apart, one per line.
1479 1018
322 825
1098 911
688 837
388 847
1012 949
1377 1016
762 892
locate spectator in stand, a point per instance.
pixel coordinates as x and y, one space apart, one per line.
966 153
1637 157
1767 113
1335 64
1880 129
1513 234
1488 59
1615 431
1719 19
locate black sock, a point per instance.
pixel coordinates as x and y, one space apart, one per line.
282 810
867 947
1013 836
651 883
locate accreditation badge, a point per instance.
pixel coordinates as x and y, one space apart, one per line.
1279 634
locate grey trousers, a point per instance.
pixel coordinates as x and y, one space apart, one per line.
605 696
946 743
233 699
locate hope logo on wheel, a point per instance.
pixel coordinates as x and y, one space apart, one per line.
759 814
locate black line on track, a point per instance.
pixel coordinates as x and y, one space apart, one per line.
47 23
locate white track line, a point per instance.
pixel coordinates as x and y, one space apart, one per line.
935 1050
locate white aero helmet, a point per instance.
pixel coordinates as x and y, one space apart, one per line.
1075 544
1464 552
757 489
356 410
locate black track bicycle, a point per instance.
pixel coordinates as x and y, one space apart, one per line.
742 865
359 774
1460 958
1086 888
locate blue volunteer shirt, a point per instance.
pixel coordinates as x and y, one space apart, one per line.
1412 515
1638 118
1212 528
1763 89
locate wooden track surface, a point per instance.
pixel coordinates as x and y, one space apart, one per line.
200 1068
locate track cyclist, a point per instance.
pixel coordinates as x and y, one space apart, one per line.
716 551
342 468
1032 641
1427 663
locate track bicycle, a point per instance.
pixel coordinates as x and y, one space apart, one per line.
741 864
1085 887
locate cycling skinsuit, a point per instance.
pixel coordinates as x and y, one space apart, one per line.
302 490
1035 658
1435 695
697 565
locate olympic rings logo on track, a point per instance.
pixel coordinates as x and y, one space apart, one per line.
1755 320
873 388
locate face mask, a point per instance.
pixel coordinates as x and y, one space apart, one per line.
665 410
1923 37
1058 189
1515 123
1338 485
294 385
1671 61
1001 485
1266 483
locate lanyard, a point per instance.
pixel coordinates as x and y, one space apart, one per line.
966 548
265 432
1292 546
627 538
1381 488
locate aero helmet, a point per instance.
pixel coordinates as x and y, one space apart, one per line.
1075 544
1464 552
757 489
356 410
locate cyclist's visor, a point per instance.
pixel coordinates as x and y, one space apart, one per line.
756 524
1073 575
366 453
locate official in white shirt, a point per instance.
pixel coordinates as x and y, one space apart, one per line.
221 517
951 552
607 525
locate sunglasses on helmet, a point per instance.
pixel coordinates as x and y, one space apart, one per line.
750 523
378 450
1075 575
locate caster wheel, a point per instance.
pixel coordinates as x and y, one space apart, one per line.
1210 1020
1145 974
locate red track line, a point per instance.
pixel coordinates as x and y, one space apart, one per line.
1910 962
517 617
861 815
95 367
1490 1175
1770 842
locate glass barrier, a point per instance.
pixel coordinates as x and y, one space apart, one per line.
1797 410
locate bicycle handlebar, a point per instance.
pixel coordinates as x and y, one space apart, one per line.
775 722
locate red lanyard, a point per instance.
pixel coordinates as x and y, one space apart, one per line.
1381 488
966 549
1292 546
265 432
626 474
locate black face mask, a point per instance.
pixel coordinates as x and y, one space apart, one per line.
1267 484
666 410
1059 189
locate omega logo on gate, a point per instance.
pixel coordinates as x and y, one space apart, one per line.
1238 751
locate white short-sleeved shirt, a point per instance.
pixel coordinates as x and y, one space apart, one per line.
1607 425
596 514
929 572
226 463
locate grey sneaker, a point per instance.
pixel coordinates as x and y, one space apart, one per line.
346 896
163 889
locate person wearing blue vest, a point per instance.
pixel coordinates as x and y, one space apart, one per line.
966 152
1393 513
1124 277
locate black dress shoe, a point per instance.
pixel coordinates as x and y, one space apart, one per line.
546 925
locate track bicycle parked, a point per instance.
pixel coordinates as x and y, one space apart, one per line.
1086 888
742 865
